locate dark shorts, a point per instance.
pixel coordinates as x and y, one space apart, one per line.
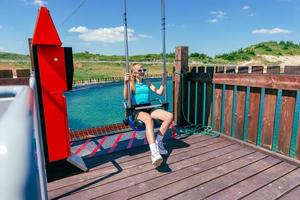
149 111
139 123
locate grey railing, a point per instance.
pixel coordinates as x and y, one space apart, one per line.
22 165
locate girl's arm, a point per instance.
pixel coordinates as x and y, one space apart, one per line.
161 88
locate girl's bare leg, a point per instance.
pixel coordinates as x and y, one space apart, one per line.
146 118
166 118
155 156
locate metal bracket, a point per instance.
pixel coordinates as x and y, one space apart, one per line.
77 161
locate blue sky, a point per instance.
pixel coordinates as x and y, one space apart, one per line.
206 26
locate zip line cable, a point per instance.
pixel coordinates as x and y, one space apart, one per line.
73 12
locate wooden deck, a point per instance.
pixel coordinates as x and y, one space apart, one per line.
198 167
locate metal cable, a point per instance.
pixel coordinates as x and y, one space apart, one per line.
73 13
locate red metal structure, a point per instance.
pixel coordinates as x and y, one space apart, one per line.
50 60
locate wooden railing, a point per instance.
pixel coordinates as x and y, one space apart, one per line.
14 77
258 105
21 77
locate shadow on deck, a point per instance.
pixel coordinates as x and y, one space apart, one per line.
198 167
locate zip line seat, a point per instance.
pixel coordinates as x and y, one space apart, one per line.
138 125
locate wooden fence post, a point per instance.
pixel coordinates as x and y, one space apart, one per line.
31 53
181 66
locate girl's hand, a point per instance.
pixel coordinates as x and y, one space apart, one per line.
164 78
126 78
148 82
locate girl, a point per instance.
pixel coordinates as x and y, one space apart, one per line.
140 95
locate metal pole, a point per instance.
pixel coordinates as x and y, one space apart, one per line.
126 52
38 139
163 24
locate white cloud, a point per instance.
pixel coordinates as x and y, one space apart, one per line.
251 14
106 35
218 14
79 29
145 36
273 31
213 21
39 2
1 49
246 7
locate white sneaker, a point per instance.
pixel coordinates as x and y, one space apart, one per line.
156 159
161 148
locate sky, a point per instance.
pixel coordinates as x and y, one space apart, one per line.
205 26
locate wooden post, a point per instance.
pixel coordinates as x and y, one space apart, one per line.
30 53
181 66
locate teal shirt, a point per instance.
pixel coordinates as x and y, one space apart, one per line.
141 95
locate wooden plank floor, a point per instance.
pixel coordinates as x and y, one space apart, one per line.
198 167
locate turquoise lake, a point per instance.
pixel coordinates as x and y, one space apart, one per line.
102 104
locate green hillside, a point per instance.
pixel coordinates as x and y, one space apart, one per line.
265 48
137 58
276 48
87 66
283 48
12 56
244 54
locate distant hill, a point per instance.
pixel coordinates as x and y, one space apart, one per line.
276 48
256 52
244 54
137 58
13 56
272 52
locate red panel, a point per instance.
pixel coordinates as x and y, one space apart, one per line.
53 84
55 123
52 68
45 32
